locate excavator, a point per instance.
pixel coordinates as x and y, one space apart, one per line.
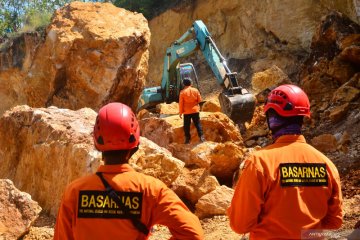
235 101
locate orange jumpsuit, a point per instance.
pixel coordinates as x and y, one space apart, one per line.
284 188
160 205
189 100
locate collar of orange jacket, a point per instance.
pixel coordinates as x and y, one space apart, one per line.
116 168
290 138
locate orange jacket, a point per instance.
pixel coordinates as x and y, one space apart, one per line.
189 100
282 190
160 205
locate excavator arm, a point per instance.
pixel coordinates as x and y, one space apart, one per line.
235 101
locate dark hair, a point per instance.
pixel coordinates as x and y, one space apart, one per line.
118 156
187 81
289 120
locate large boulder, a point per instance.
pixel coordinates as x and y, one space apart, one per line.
157 130
156 161
183 151
216 126
325 143
42 150
346 93
18 211
92 54
167 109
215 202
271 77
222 159
192 184
338 113
15 60
211 105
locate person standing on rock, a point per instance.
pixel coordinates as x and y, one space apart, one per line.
117 202
288 189
189 100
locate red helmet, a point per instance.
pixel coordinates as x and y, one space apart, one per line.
116 128
288 100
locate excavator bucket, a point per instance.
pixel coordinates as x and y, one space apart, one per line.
239 107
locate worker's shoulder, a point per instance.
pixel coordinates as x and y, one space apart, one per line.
276 152
290 149
147 180
256 160
82 181
183 91
264 158
315 153
186 89
150 186
193 89
260 153
189 89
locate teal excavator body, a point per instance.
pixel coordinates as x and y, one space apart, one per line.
235 101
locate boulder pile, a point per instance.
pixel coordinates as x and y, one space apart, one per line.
61 146
330 76
90 54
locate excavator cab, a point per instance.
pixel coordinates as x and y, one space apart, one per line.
183 70
187 70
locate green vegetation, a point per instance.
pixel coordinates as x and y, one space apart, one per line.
26 15
149 8
17 16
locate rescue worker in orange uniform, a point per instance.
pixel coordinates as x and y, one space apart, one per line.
288 188
88 212
189 100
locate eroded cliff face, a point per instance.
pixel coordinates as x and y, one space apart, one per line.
91 54
254 34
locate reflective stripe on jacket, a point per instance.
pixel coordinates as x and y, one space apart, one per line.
189 100
271 204
160 205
